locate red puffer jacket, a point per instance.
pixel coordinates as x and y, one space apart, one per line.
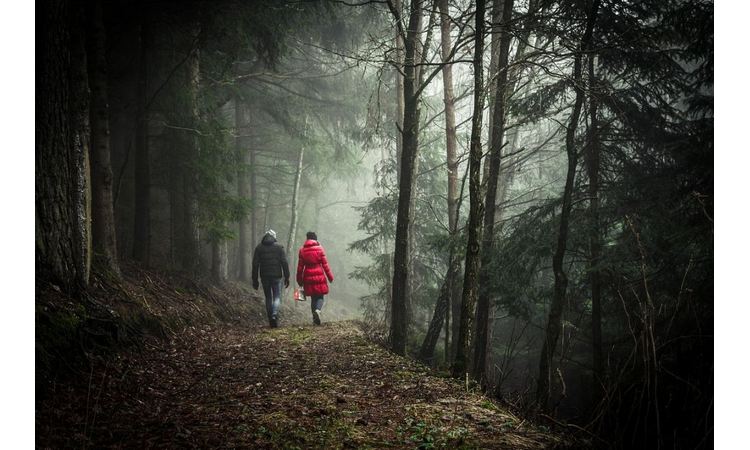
312 269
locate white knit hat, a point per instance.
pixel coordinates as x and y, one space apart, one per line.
271 233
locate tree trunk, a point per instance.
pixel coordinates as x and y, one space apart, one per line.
427 351
455 308
446 298
61 146
474 226
243 191
595 238
388 272
191 233
447 330
398 331
399 82
219 261
295 199
254 199
175 202
399 85
482 336
412 279
495 18
554 320
142 172
104 240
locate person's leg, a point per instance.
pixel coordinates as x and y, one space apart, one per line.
268 293
316 321
276 303
316 304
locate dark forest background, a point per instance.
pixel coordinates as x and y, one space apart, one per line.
518 193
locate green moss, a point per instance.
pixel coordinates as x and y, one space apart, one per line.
486 404
298 336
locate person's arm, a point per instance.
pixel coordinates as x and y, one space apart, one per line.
284 266
256 268
300 268
324 263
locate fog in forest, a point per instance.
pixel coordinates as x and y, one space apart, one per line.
516 193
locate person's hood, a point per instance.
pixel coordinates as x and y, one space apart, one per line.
268 239
311 243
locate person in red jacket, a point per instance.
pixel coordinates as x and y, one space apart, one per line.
312 271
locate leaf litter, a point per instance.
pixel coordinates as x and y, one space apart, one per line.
291 387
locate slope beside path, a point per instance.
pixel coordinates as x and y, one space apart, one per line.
290 387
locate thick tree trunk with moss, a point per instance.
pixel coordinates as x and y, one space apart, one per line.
474 226
482 336
62 135
399 324
554 319
102 207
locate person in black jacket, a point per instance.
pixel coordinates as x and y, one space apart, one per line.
269 260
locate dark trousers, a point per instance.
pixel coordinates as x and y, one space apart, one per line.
316 302
272 290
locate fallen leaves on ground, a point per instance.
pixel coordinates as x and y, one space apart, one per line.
290 387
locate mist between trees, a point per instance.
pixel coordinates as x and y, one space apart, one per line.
517 192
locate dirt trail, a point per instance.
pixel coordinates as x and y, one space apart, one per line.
290 387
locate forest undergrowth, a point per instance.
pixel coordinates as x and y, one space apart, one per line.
189 364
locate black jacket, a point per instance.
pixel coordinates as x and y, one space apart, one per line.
270 260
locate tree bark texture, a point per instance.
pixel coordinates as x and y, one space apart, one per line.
219 261
104 239
474 226
399 325
482 336
191 232
175 203
554 319
62 136
494 33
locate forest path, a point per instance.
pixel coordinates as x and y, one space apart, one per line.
289 387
